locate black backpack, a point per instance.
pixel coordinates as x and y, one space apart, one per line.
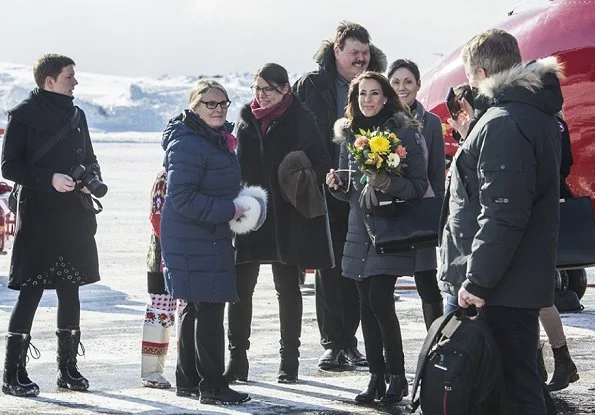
459 369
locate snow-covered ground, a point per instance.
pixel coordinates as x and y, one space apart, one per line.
113 310
127 116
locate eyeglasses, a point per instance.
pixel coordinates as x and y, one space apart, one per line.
265 90
213 104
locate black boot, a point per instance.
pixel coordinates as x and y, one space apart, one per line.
565 370
541 365
431 312
376 389
288 369
68 375
237 367
15 380
397 389
224 395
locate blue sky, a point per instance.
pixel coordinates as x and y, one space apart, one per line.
190 37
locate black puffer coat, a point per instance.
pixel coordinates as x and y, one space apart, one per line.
500 233
51 224
360 259
286 236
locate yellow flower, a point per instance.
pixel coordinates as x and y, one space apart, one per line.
374 159
379 144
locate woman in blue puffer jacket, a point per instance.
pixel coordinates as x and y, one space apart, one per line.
203 177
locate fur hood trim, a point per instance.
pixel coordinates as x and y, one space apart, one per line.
342 128
527 76
325 57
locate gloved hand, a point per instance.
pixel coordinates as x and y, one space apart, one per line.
378 180
368 198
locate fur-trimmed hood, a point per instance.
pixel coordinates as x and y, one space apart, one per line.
343 132
325 58
536 83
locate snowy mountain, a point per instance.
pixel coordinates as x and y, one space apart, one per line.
123 105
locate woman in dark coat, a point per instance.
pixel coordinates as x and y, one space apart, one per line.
272 126
54 245
203 181
404 77
372 104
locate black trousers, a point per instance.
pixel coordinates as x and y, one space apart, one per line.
380 325
69 308
337 301
201 346
289 296
427 286
517 333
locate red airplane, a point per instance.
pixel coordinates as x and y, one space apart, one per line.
562 28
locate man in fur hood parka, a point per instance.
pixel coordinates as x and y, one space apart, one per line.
324 92
500 230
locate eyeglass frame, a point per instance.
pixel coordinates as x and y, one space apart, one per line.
208 104
256 89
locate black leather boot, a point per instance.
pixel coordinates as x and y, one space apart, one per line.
15 380
397 389
288 369
375 390
431 312
224 395
331 359
237 366
69 376
565 370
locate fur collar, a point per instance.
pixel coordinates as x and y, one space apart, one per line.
325 57
342 128
527 76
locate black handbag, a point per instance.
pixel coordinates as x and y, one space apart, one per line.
576 241
404 225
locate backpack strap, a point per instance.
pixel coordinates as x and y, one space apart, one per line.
71 124
433 336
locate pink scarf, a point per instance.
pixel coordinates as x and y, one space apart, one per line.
231 142
268 115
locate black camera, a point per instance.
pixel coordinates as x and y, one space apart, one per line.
88 179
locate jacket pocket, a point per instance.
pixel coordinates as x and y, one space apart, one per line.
494 180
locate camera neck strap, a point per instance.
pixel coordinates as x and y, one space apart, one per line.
90 203
71 124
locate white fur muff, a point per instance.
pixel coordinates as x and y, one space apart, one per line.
254 198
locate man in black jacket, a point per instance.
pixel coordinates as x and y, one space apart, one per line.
501 226
324 92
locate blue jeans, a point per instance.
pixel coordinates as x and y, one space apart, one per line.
451 304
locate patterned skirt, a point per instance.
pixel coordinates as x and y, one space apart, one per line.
61 274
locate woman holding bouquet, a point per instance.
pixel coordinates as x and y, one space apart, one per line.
374 105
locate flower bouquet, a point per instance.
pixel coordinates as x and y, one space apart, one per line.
378 151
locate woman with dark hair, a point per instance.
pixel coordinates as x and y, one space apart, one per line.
372 104
404 77
271 127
